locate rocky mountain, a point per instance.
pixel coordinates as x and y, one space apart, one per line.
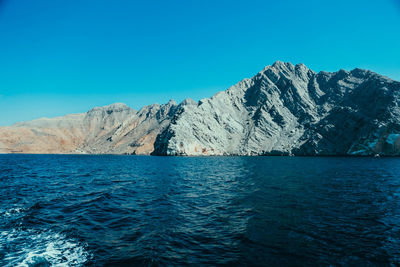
285 109
113 129
290 110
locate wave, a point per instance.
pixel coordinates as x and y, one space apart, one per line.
46 248
11 212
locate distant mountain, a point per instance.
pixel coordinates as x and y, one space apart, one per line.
284 110
113 129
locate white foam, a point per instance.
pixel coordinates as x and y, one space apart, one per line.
11 212
44 248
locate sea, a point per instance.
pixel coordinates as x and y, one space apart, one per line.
109 210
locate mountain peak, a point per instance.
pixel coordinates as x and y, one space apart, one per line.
285 69
282 65
172 102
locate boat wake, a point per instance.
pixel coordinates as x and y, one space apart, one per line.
32 247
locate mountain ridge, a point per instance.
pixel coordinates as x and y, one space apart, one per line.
284 109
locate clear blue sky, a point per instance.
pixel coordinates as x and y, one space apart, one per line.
66 56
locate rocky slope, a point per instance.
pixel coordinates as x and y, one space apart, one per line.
290 110
113 129
284 110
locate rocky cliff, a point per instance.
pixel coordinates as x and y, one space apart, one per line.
283 110
290 110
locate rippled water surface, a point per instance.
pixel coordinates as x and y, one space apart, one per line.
132 210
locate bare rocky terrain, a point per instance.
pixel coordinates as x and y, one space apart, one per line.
285 109
113 129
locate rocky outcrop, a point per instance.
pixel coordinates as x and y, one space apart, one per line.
285 109
290 110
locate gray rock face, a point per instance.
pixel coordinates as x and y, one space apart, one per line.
290 110
283 110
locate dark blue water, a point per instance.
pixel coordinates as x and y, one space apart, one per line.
141 211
